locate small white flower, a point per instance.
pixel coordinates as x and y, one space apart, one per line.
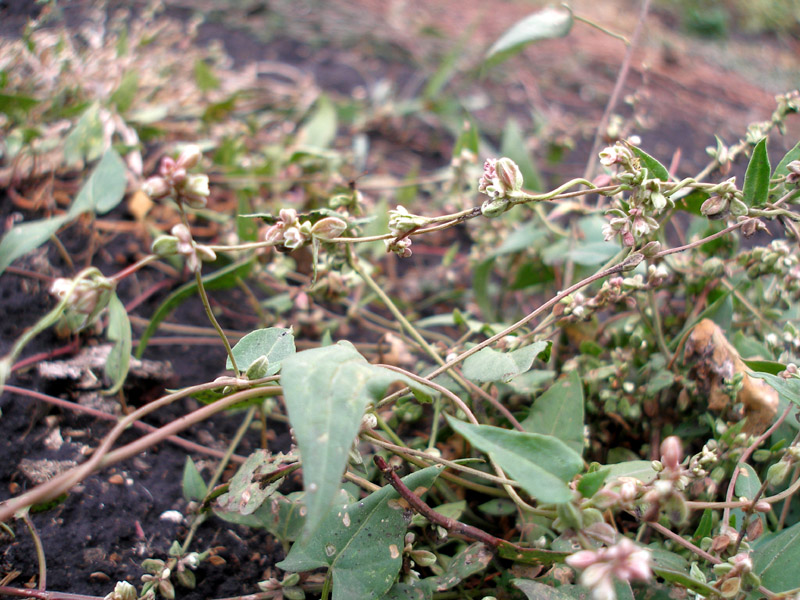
625 561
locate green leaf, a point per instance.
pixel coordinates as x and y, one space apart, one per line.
104 189
756 179
14 104
468 139
118 332
639 469
534 590
417 590
793 154
25 237
218 280
590 484
498 507
125 94
542 25
654 168
283 516
472 559
491 365
706 525
514 145
747 486
276 343
765 366
788 389
86 140
326 391
776 561
204 76
559 412
194 488
481 278
320 128
361 543
542 464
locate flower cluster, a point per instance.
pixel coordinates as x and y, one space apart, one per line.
633 218
181 242
624 561
174 180
501 178
289 233
86 298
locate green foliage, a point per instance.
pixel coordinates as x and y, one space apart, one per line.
327 390
345 543
274 343
542 464
545 24
102 191
490 365
559 412
756 179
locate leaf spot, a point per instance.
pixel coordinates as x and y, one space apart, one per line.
394 552
346 520
330 550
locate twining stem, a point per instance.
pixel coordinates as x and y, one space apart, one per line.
743 459
98 414
210 314
201 517
102 457
37 542
434 517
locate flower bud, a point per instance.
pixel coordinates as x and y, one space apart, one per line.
166 589
671 453
423 558
715 208
293 593
122 591
165 245
509 174
258 368
328 228
291 580
196 190
778 472
494 208
650 248
205 253
189 157
156 187
713 267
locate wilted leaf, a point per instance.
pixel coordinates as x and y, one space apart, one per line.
545 24
542 464
472 559
275 343
492 365
255 481
326 391
559 412
361 543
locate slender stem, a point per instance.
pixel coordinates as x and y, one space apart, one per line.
210 314
659 330
599 27
788 503
434 517
198 520
743 459
37 543
612 101
134 267
98 414
102 457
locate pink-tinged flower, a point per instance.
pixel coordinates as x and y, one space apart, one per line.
671 453
625 561
500 178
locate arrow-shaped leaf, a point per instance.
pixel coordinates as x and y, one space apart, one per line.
542 464
361 543
326 391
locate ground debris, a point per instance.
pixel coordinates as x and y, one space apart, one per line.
86 368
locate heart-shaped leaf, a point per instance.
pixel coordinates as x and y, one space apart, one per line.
559 412
274 343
